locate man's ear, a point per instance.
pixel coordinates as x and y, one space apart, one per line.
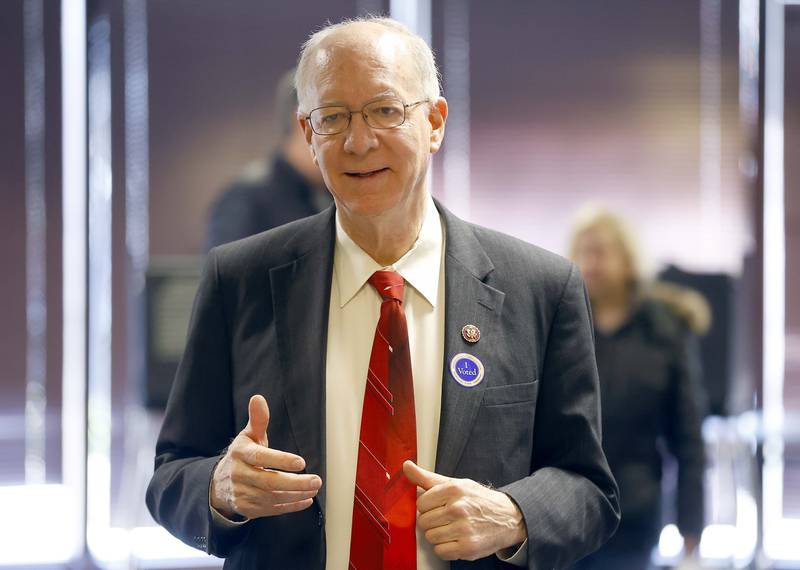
437 116
305 127
307 133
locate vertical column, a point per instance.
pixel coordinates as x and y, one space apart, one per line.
140 428
711 123
416 14
74 105
98 474
36 253
456 71
774 251
137 155
137 177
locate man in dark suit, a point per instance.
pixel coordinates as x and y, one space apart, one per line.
479 393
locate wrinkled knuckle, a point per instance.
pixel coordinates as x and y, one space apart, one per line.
457 510
450 486
237 445
251 455
472 548
244 455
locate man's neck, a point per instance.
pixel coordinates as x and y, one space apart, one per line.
385 239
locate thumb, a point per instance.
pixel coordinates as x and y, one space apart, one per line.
258 420
422 477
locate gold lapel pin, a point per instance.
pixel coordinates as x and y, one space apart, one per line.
471 333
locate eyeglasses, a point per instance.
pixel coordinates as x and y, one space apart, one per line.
381 114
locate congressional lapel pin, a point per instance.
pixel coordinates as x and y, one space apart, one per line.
471 333
466 369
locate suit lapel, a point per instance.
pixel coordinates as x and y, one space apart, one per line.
300 297
468 300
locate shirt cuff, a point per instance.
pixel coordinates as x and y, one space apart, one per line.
223 521
518 557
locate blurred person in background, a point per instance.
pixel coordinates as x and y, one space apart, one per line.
649 367
289 188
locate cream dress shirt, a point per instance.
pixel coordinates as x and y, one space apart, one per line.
354 312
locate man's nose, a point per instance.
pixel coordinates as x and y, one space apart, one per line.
360 137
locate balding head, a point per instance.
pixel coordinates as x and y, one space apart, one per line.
370 110
376 40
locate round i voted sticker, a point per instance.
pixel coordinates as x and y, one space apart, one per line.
466 369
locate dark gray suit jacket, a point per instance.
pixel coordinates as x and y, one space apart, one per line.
530 429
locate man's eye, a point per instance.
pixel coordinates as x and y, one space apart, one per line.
387 111
331 117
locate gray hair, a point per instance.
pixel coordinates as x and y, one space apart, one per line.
421 54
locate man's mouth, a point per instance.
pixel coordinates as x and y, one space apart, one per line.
365 173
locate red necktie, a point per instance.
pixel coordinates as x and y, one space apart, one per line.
384 510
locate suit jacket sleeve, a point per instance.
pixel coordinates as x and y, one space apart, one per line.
570 500
197 428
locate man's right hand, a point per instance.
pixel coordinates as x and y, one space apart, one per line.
253 481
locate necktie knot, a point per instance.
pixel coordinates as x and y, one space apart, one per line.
388 284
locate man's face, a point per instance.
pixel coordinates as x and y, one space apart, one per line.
373 172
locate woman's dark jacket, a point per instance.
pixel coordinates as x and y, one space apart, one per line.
651 394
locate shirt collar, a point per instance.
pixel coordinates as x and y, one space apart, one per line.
420 266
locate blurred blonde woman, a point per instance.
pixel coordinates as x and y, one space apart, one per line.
645 341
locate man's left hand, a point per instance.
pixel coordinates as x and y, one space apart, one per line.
462 519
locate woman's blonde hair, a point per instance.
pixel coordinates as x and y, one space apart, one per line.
594 217
687 304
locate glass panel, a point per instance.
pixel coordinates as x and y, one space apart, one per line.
34 476
12 216
791 396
